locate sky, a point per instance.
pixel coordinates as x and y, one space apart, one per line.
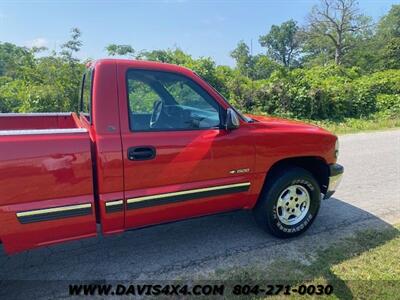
201 28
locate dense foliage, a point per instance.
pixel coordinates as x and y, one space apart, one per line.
303 73
29 83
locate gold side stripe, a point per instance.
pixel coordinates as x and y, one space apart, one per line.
113 203
138 199
51 210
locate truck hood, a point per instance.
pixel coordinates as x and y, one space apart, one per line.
275 123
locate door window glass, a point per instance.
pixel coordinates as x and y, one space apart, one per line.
161 101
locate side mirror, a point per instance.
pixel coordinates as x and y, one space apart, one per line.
232 119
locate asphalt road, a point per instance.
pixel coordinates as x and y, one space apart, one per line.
368 197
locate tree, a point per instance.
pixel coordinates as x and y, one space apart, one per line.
388 39
122 50
69 73
282 42
339 22
13 59
389 25
263 67
46 83
241 55
73 45
171 56
391 54
253 66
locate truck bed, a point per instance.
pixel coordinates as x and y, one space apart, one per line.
37 121
45 180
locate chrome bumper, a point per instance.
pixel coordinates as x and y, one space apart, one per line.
335 176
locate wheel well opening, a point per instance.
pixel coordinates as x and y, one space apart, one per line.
315 165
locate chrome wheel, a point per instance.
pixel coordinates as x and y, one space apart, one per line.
293 204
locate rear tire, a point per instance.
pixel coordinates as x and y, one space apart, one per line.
289 203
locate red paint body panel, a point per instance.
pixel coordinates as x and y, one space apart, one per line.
50 170
41 171
50 121
17 237
277 139
106 140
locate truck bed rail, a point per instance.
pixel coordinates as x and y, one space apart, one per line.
42 131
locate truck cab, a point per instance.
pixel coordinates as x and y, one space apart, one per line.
155 143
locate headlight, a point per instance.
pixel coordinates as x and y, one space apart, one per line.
337 148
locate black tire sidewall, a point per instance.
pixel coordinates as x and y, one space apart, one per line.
296 176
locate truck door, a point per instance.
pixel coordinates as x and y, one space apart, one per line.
178 162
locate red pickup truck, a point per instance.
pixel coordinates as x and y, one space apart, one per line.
155 143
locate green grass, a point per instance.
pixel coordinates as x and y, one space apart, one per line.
358 125
364 266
